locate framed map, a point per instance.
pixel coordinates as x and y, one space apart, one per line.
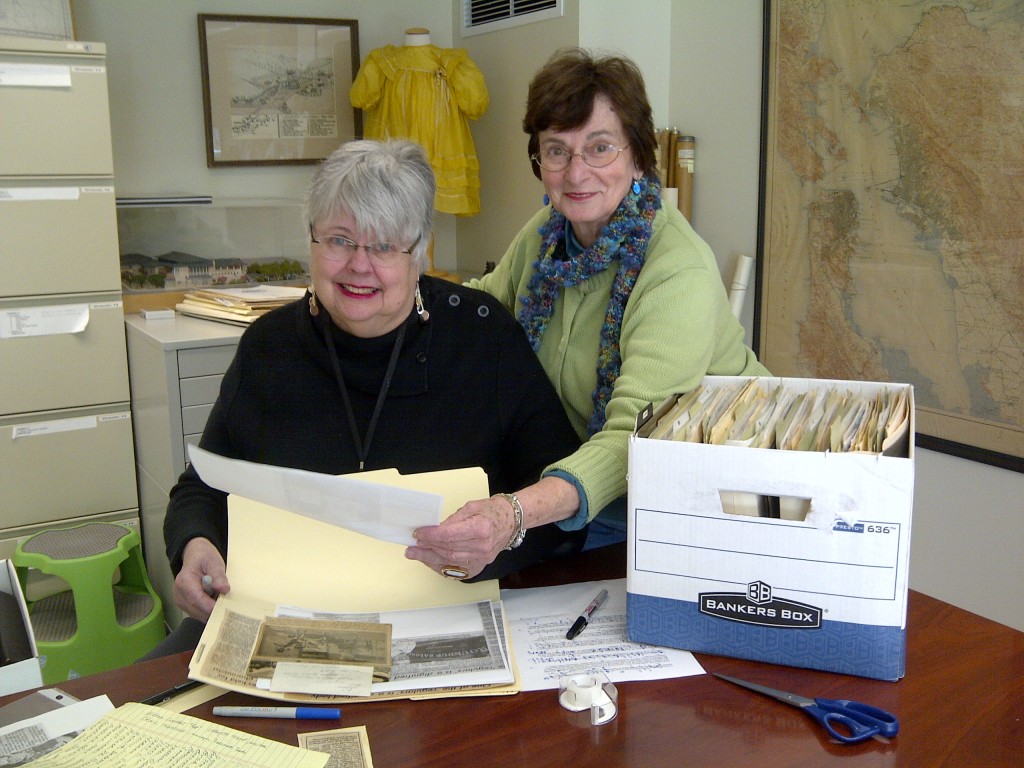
275 89
48 19
892 208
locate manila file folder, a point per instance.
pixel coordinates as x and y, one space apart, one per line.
277 557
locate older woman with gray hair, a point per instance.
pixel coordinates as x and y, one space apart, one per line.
378 366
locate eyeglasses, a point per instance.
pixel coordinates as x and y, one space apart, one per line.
596 155
338 248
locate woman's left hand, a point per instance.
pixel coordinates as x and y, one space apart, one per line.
470 539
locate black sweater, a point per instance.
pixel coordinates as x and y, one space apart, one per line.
467 391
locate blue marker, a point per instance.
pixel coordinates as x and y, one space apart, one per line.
287 713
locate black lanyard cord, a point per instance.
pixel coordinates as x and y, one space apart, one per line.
362 449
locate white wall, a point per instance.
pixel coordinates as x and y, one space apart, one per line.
716 97
613 27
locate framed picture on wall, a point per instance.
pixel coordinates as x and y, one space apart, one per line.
45 19
275 89
891 227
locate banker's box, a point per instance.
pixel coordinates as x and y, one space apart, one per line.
707 573
19 662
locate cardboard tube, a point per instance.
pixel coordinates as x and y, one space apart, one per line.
685 146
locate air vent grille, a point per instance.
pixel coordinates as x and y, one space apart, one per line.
489 15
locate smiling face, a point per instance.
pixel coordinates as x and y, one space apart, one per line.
363 298
588 196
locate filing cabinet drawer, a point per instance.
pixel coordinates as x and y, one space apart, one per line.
64 370
193 418
205 361
201 390
58 238
43 88
59 466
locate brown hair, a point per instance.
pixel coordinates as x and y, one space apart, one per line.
562 94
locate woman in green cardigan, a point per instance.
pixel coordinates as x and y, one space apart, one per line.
621 300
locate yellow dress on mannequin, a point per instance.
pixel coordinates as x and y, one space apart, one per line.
427 94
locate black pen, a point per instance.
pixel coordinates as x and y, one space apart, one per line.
170 693
581 623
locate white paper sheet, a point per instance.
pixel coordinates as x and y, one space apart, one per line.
39 193
382 511
35 75
540 617
53 320
327 679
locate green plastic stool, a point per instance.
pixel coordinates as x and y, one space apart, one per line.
104 621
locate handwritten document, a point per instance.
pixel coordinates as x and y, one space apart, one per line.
539 619
138 736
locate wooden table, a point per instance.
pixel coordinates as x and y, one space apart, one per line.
960 704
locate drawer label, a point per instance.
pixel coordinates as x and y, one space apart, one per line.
43 321
54 427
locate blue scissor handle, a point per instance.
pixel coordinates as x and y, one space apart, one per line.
862 720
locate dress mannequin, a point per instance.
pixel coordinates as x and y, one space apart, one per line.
427 94
417 36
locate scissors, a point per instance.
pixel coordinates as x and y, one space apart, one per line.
861 720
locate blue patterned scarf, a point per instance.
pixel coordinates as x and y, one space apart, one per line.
625 239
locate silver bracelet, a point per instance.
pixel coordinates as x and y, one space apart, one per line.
517 509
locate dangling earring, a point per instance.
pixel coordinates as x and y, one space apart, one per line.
420 309
636 186
546 199
314 310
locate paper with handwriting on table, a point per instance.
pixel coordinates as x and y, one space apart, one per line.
539 617
137 736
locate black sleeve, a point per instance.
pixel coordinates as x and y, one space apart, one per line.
536 428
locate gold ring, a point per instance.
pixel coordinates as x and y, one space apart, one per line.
454 572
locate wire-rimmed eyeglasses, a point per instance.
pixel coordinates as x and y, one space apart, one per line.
596 155
338 248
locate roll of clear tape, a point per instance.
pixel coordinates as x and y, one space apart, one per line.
593 691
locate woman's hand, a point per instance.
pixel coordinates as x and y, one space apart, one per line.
200 559
470 539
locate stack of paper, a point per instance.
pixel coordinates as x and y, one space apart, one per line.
238 306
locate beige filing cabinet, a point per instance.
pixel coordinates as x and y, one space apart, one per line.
176 366
66 443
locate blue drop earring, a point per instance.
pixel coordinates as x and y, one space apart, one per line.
546 199
636 187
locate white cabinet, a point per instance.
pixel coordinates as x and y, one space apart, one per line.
176 366
66 443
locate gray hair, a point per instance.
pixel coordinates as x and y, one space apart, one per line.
387 187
